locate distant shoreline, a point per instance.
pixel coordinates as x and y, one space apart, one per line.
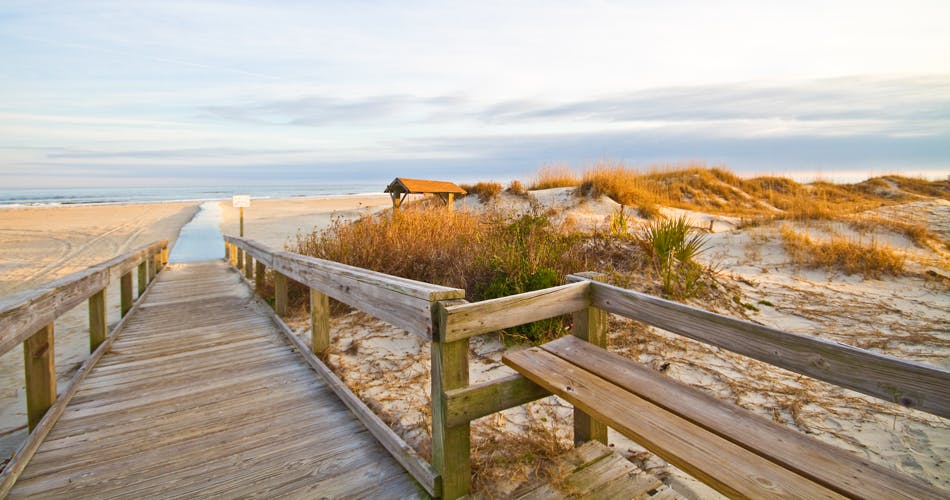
67 204
97 196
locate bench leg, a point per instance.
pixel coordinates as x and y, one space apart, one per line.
590 325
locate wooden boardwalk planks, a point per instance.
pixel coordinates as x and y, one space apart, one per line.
201 396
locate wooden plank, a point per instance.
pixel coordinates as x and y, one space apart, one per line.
723 465
590 325
319 322
97 319
145 441
593 471
259 251
451 445
463 405
910 384
835 468
467 320
125 292
420 470
38 360
280 294
26 451
240 259
376 294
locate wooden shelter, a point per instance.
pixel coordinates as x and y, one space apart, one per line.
401 187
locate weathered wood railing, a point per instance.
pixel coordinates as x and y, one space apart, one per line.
28 318
401 302
442 316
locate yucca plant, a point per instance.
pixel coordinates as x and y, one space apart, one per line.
674 244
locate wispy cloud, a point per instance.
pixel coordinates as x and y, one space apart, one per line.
323 111
844 106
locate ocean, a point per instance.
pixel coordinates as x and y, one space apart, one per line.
20 198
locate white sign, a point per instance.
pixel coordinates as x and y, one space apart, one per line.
241 200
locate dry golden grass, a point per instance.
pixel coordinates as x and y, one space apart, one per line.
695 186
486 191
871 259
555 176
515 187
505 452
919 234
622 184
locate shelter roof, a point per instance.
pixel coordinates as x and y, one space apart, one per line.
417 186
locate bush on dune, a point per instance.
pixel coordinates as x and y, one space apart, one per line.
487 257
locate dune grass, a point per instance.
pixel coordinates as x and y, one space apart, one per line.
869 258
486 191
695 186
554 176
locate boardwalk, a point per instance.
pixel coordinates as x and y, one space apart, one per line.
201 396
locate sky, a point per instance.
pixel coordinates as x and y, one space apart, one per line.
116 93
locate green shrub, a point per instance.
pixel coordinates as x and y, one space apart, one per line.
673 245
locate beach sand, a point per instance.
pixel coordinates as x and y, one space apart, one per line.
38 245
276 222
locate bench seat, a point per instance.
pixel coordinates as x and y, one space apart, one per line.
734 451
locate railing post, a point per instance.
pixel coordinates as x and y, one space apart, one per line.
143 276
151 266
259 275
319 321
240 259
451 446
164 256
97 319
590 325
234 251
125 293
38 361
280 294
227 251
158 262
248 266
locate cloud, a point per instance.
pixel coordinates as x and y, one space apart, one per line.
325 111
842 106
857 98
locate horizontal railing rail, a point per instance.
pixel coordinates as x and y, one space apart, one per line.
23 313
899 381
402 302
28 317
399 301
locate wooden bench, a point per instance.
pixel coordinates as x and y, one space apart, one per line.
734 451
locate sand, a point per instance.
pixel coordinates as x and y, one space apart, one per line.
38 245
900 316
276 222
904 317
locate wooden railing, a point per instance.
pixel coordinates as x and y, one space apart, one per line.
441 315
401 302
28 318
